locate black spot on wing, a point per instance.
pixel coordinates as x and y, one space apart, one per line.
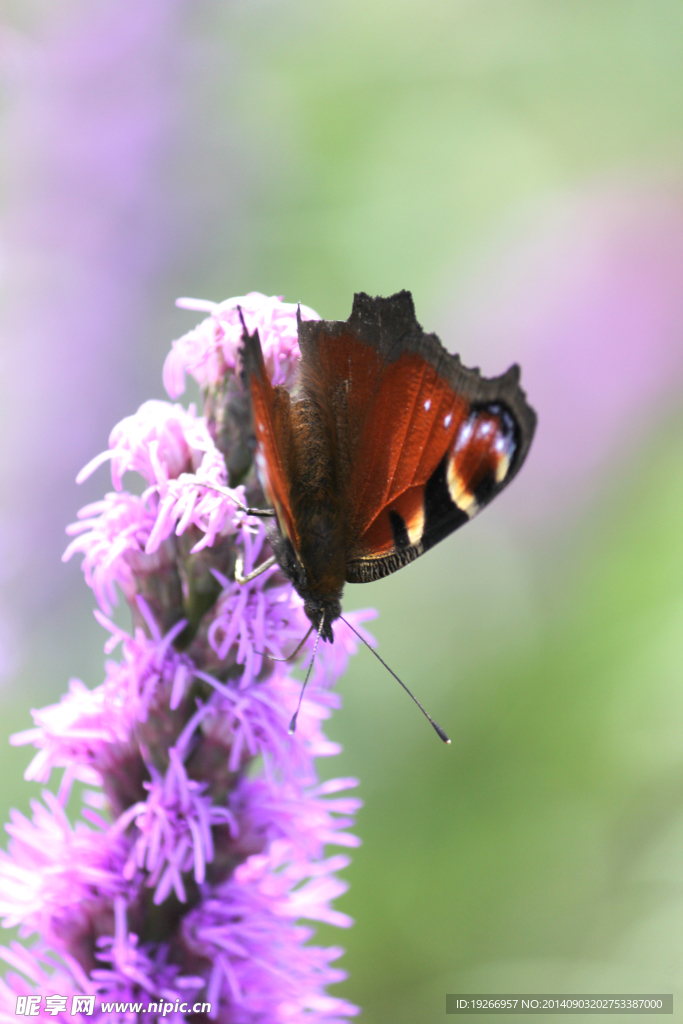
442 515
399 530
485 490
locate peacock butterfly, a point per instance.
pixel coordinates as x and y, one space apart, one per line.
389 445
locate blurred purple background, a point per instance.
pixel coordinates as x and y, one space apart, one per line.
98 228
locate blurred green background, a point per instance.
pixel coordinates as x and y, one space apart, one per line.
517 165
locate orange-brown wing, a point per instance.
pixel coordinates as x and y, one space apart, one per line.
271 414
423 443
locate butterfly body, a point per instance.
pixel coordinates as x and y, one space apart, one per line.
314 558
389 445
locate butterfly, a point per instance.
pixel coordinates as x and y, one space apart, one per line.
388 445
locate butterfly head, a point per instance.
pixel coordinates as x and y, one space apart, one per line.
325 611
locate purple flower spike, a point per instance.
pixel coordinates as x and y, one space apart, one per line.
180 890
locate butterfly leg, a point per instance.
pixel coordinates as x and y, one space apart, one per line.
262 513
290 657
263 567
292 724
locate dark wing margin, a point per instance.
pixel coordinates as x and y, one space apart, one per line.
391 328
425 442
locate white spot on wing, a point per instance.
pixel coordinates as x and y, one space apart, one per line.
464 435
447 420
502 468
428 404
416 526
459 493
504 447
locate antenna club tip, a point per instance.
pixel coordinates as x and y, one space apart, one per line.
441 734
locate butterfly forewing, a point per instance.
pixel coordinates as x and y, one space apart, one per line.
424 443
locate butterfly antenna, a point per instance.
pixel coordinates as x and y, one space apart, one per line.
292 724
437 728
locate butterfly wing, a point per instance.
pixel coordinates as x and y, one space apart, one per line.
423 442
271 413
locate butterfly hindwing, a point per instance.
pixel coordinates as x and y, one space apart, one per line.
423 442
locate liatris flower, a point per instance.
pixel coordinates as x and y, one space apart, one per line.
201 841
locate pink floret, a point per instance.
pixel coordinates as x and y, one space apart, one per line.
211 349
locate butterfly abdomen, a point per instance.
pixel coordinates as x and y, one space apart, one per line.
316 502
